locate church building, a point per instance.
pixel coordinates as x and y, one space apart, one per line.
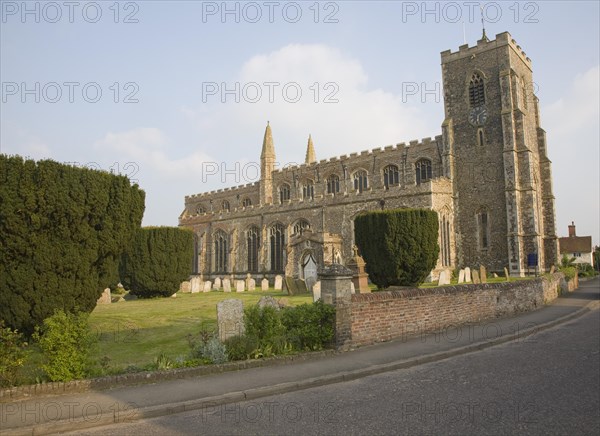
487 176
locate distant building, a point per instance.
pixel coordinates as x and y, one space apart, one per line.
487 176
579 247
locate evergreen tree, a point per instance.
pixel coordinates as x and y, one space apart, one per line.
400 247
62 231
159 260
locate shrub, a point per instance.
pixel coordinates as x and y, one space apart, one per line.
159 260
162 362
310 326
241 347
214 351
12 355
65 340
400 247
569 271
63 231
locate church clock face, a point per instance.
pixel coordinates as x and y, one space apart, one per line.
478 116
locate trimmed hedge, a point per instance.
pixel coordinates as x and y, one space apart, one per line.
63 230
399 246
159 260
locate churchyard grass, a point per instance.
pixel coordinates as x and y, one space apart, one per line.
133 333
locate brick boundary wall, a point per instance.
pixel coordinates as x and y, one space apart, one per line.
382 316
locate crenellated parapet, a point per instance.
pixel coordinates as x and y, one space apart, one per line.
502 39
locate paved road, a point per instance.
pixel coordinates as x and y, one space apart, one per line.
548 383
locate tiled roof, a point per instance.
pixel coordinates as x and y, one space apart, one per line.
575 244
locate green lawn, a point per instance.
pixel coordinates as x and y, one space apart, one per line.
135 332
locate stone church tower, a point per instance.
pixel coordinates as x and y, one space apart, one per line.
494 150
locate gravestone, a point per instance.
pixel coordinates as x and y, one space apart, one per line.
207 286
105 298
278 283
290 285
476 277
230 318
239 286
552 269
444 278
467 275
461 276
482 274
251 285
268 301
185 287
247 282
197 284
264 285
506 275
495 275
174 295
217 285
316 291
301 286
226 285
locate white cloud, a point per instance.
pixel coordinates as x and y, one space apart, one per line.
573 146
148 147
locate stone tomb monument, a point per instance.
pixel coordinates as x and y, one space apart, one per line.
230 318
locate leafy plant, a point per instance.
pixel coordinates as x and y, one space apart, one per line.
310 326
12 355
65 340
163 362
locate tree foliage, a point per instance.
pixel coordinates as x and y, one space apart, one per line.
399 246
62 232
159 260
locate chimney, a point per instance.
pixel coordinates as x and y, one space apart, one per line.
572 230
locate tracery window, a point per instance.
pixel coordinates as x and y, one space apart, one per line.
252 245
423 170
476 90
360 180
333 184
391 176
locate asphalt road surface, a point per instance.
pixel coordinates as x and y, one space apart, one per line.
548 383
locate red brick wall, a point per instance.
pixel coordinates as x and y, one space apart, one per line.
381 316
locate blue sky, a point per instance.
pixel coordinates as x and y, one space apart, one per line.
363 70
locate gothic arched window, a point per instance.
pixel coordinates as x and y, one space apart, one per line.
200 210
360 180
308 190
483 230
221 251
391 176
253 242
423 170
225 206
476 90
333 184
277 245
246 202
284 192
300 226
